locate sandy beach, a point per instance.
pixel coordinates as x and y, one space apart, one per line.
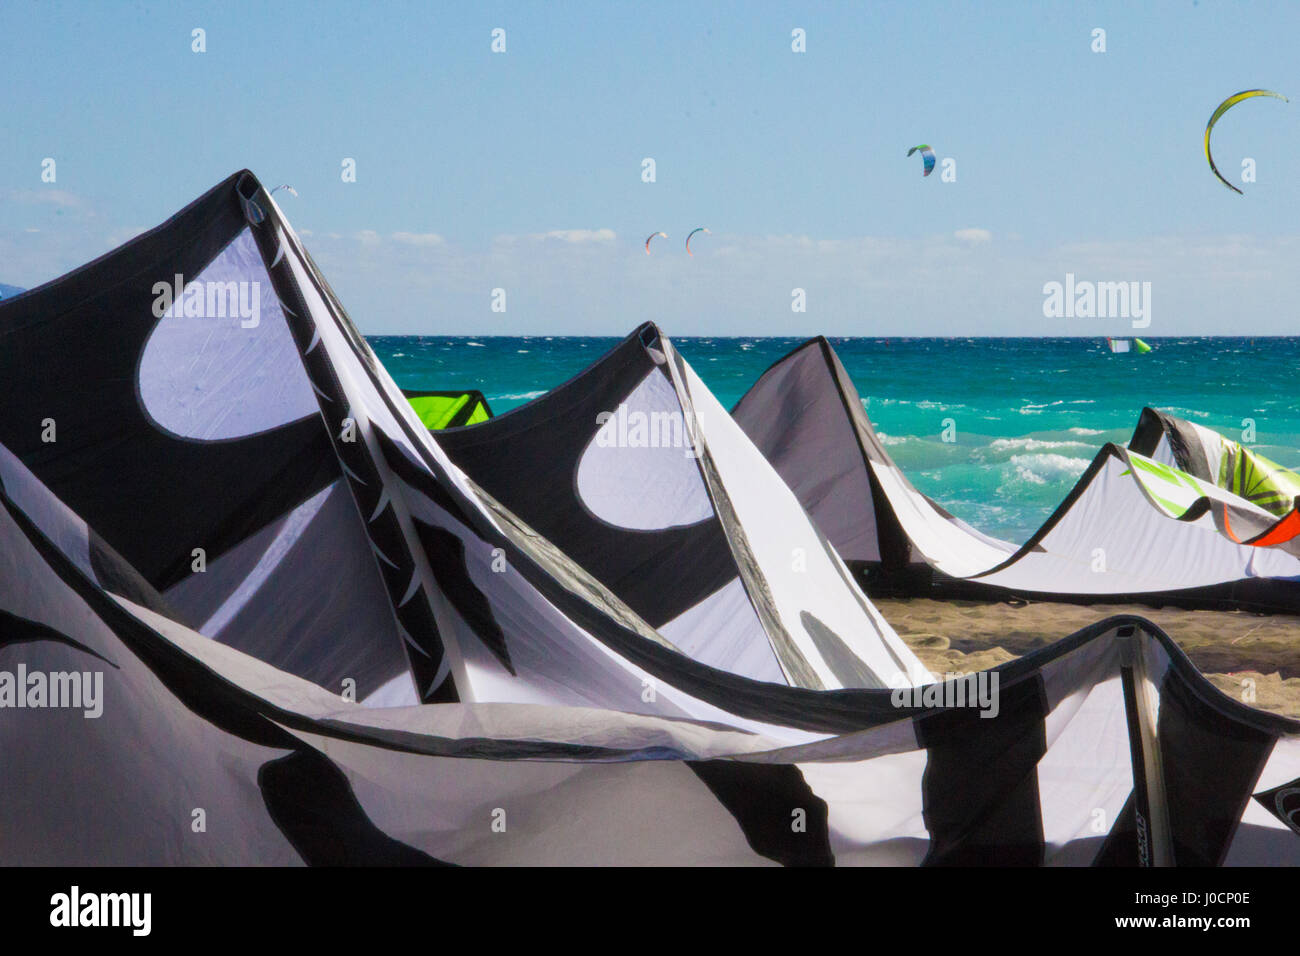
1231 648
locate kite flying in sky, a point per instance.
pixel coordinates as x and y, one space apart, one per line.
1223 107
927 155
693 232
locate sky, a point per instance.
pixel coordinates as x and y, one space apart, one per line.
522 170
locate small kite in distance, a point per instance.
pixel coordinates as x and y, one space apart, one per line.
652 235
927 156
688 239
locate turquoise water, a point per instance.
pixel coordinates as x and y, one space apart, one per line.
1029 413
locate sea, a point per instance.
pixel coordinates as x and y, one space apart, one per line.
1026 415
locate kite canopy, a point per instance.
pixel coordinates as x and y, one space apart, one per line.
310 621
1210 457
1127 345
1164 536
1222 108
688 238
927 157
439 410
671 508
651 236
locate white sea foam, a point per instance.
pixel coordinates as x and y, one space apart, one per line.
1038 409
521 396
1042 468
1031 444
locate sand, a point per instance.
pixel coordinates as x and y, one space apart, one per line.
1231 648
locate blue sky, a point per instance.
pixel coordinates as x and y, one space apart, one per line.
522 170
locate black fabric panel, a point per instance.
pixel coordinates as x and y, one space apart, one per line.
1120 847
1284 803
763 798
19 630
1147 433
112 571
446 554
1210 764
895 545
312 803
796 415
981 782
69 351
527 459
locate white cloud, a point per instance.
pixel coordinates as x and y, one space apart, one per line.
581 235
419 238
368 236
973 235
50 197
564 235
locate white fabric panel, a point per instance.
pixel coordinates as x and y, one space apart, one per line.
1144 550
1212 445
802 572
653 813
724 632
638 471
209 378
875 807
1164 452
398 692
945 545
1086 775
1261 838
286 535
